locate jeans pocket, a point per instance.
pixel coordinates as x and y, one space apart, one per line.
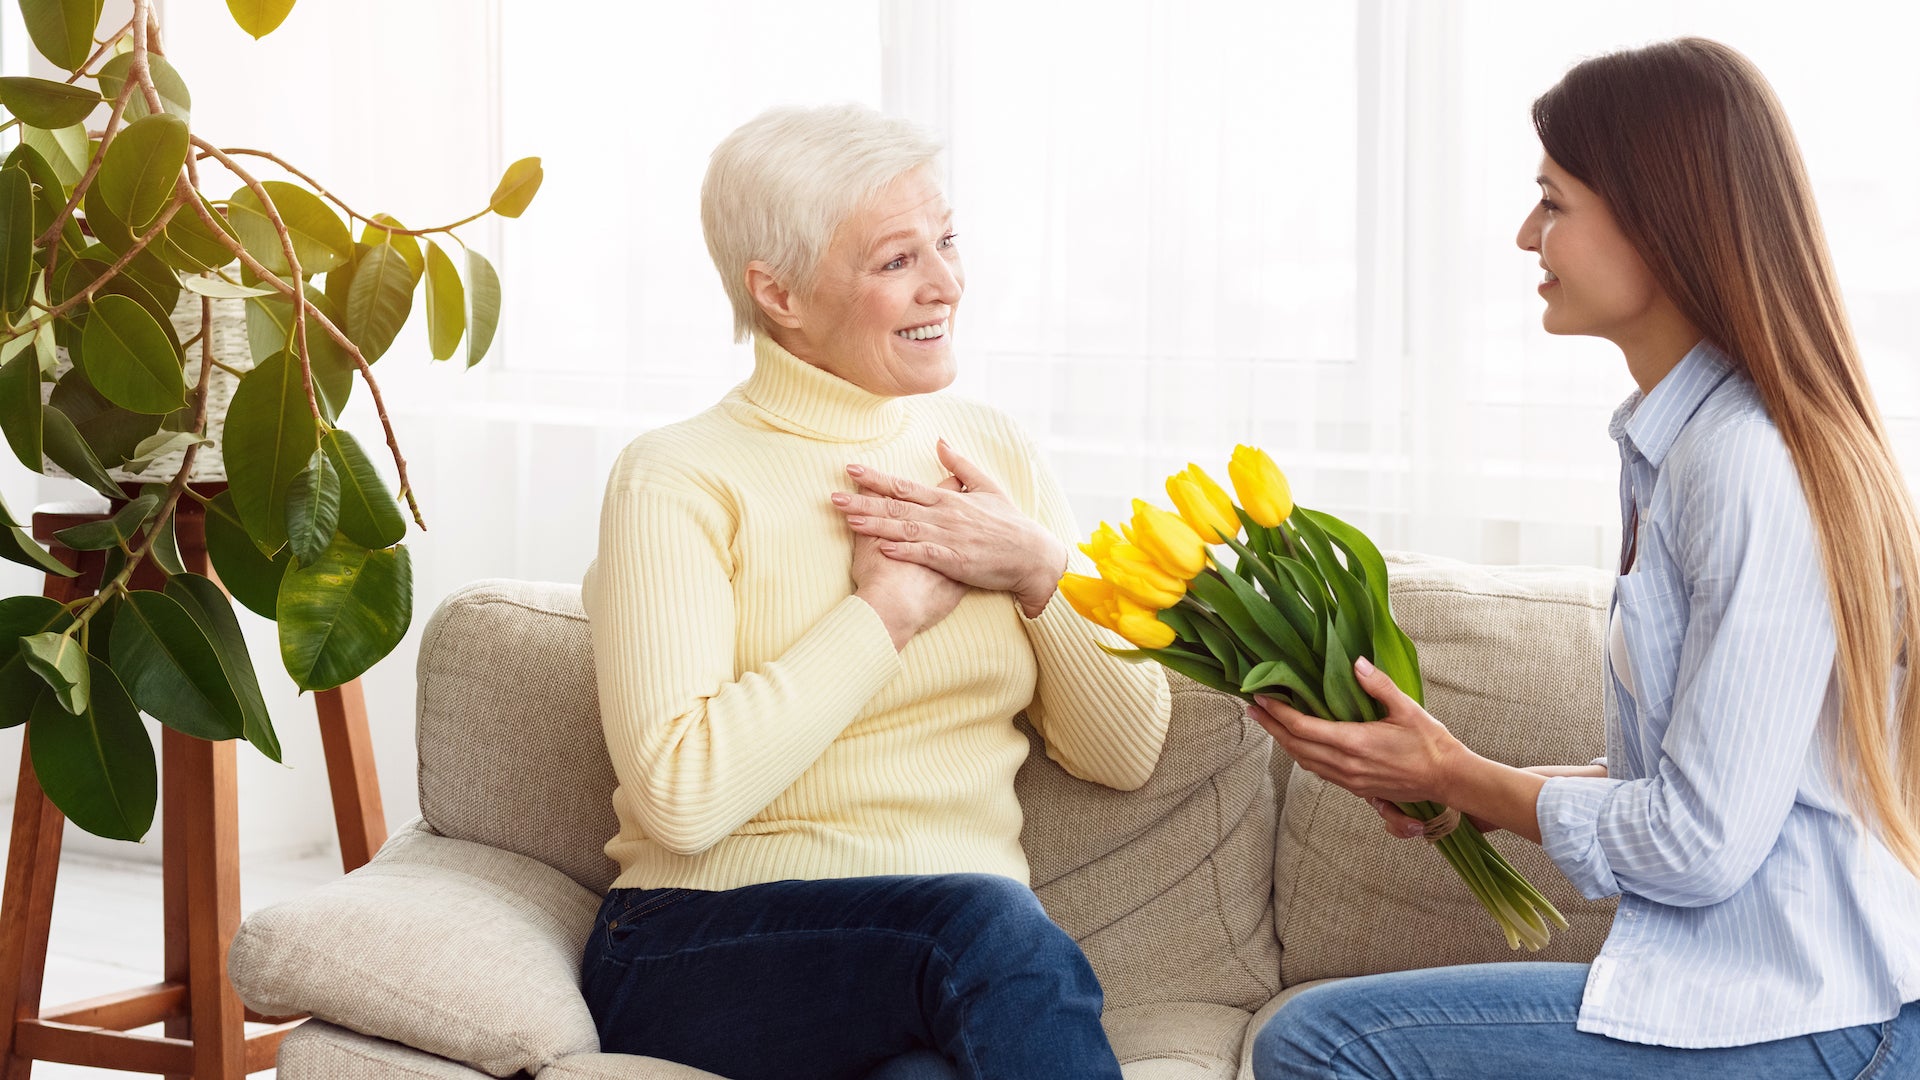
646 902
1881 1053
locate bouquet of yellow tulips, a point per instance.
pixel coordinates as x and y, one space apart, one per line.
1307 595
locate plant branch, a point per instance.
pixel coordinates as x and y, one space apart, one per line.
141 72
339 336
341 203
139 244
52 235
108 43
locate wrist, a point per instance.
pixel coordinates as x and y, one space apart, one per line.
1049 568
901 621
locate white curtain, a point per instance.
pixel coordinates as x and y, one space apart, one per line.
1185 225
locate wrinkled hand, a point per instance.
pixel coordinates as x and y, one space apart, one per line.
1405 756
965 528
907 597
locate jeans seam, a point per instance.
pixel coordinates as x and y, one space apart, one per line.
946 987
1880 1052
1449 1024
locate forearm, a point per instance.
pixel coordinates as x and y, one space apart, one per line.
1502 795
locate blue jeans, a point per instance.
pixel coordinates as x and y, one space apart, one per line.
848 979
1516 1022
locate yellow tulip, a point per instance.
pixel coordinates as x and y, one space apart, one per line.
1262 487
1102 541
1140 579
1203 505
1170 541
1093 598
1141 626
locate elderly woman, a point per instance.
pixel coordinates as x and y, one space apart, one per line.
814 618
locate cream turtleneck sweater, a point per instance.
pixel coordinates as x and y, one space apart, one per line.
761 725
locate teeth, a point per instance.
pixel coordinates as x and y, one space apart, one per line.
924 333
1551 276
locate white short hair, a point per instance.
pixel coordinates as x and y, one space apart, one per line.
782 182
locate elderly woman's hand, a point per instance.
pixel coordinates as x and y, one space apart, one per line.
966 528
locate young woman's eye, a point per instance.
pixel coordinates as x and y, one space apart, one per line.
1549 205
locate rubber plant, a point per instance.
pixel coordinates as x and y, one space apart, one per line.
102 230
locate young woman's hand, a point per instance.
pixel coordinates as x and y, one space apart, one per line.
965 528
1400 825
1405 756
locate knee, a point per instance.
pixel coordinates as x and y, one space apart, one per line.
1298 1041
987 913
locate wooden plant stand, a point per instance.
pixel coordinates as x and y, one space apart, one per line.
205 1036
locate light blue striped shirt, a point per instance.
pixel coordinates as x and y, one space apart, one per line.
1752 906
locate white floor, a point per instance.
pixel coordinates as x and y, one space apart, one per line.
106 933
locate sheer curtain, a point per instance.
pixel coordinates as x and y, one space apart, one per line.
1185 224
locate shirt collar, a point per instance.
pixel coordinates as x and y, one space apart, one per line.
807 400
1650 422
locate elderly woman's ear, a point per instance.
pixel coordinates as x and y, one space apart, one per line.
777 302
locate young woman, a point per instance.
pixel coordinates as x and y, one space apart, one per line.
1758 812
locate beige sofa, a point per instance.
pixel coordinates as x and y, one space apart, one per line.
1204 900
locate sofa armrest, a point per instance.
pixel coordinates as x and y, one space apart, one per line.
451 947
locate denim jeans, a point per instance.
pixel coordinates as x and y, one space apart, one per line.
847 979
1516 1022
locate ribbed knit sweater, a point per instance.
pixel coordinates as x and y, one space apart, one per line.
761 725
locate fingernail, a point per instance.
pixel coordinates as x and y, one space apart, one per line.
943 441
1363 666
1411 831
1262 700
856 470
840 498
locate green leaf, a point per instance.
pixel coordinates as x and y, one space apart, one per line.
17 545
75 276
483 306
1223 647
1279 589
341 615
49 197
270 330
159 445
113 433
369 516
112 532
43 103
1283 674
320 240
98 766
68 450
1213 591
340 280
20 408
446 304
259 17
372 235
1202 671
380 301
171 669
193 246
62 29
207 605
271 435
313 509
142 167
61 664
221 289
130 359
517 188
166 545
16 238
252 576
1353 607
1345 700
174 99
66 151
20 685
1393 649
1267 615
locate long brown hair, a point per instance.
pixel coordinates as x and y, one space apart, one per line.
1691 151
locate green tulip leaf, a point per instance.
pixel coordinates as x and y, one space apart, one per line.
259 17
20 686
142 167
16 238
207 605
1395 652
380 300
320 240
341 615
1341 691
517 188
1283 674
66 151
369 516
251 576
68 450
271 435
97 766
62 29
483 306
115 531
171 670
20 408
43 103
130 359
446 304
62 665
313 509
174 99
1199 669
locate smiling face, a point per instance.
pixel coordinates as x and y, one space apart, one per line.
880 310
1595 283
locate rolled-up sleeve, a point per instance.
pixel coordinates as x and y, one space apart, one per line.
1755 666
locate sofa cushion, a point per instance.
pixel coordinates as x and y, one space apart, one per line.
317 1050
451 947
1265 1014
1511 661
511 751
1176 1040
1168 889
